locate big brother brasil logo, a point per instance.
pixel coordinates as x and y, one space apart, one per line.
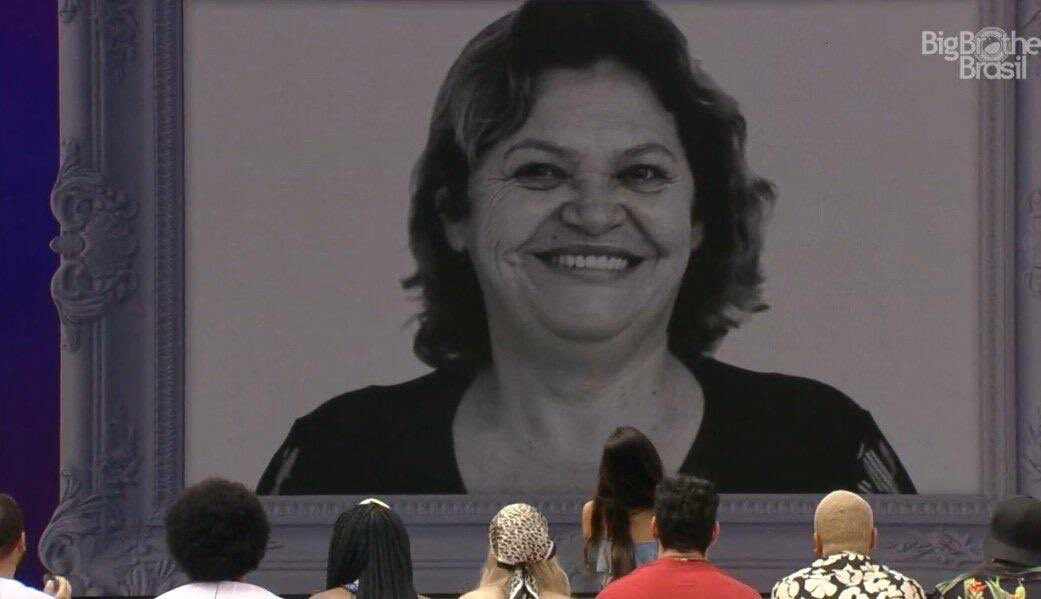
990 53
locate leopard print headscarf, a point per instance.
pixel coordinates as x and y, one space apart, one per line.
519 537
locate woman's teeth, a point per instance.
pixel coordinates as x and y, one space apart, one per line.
591 262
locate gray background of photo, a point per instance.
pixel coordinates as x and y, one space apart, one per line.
304 119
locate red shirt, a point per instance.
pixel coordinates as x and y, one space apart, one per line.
680 580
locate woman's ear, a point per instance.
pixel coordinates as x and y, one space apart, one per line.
21 548
456 233
455 229
697 235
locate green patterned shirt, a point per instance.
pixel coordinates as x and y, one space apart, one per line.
993 580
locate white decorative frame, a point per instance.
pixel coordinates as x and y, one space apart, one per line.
119 199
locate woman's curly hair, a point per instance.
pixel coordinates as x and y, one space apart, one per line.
488 94
217 530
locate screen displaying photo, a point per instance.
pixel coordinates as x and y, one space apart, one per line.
447 247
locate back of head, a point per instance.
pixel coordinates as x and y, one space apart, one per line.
12 524
844 522
370 546
630 469
685 513
1015 532
521 554
217 530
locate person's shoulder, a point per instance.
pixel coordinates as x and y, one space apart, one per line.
799 574
784 586
650 579
182 592
342 593
190 590
337 593
220 590
732 587
772 391
988 576
945 586
398 437
742 589
621 588
13 589
799 434
587 519
892 572
410 395
377 412
635 583
480 593
903 582
587 508
245 590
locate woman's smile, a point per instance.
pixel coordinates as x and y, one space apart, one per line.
590 263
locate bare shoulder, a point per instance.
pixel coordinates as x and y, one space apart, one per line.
587 519
480 593
337 593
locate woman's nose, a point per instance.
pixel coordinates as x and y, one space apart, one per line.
593 217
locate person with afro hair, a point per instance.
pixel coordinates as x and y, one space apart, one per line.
217 533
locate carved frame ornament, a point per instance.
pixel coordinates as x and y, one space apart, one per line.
119 289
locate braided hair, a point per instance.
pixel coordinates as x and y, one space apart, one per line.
370 545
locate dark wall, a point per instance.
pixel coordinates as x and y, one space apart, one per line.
29 395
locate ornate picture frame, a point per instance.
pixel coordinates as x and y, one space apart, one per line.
119 291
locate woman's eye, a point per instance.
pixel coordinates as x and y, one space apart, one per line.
644 177
540 175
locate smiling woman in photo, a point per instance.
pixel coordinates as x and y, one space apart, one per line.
586 231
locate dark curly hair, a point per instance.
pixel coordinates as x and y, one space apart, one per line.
685 512
217 530
630 468
370 545
12 524
488 94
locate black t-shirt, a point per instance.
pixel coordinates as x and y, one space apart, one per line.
761 433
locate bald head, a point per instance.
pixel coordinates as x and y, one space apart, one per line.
843 522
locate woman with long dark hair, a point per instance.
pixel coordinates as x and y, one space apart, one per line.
369 555
617 522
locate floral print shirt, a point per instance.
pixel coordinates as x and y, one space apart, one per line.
847 575
993 581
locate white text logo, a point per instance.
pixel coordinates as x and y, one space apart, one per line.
990 53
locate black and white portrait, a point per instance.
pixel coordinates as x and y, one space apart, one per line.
441 248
